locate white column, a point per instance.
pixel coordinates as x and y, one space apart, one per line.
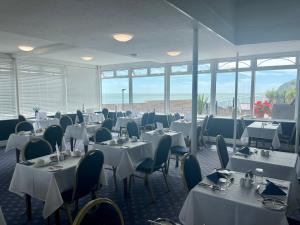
213 88
235 101
98 87
194 88
297 109
253 79
17 85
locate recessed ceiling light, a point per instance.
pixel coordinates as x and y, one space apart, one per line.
25 48
122 37
87 58
173 53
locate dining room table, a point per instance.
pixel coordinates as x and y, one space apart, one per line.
185 126
234 204
122 122
125 157
43 123
47 182
17 142
262 130
155 136
274 164
81 132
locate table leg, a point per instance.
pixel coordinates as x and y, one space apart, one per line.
57 217
125 184
86 148
18 155
71 143
28 207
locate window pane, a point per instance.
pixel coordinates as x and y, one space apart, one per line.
204 67
140 72
276 87
112 93
121 73
225 93
231 65
285 61
8 109
181 94
179 69
244 94
148 93
108 73
157 70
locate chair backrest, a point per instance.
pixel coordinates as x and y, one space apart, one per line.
24 126
120 114
191 171
105 112
65 121
162 151
108 124
144 121
79 116
21 118
36 147
88 173
132 129
151 117
57 115
222 151
54 135
128 113
100 211
177 116
102 134
204 124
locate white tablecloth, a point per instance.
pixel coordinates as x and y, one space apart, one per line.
184 126
279 165
81 132
46 186
262 130
125 158
234 206
122 122
44 123
2 219
91 118
18 141
154 138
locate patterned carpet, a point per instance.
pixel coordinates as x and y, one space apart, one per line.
136 210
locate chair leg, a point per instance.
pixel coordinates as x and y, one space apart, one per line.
177 159
149 188
115 177
28 207
69 213
165 178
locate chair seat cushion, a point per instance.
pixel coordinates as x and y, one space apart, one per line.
145 166
67 195
179 150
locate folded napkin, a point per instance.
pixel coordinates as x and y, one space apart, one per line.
275 122
214 177
273 189
245 150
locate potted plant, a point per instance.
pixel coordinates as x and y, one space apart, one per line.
262 108
201 103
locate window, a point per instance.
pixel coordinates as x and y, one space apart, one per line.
231 65
106 74
41 86
122 73
140 72
8 109
181 93
204 67
276 87
179 69
244 94
225 89
148 93
285 61
115 94
157 70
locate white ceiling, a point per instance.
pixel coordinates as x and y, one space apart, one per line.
66 30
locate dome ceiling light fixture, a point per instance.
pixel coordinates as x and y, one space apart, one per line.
87 58
122 37
173 53
25 48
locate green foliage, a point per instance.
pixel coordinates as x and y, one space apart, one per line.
286 93
201 103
